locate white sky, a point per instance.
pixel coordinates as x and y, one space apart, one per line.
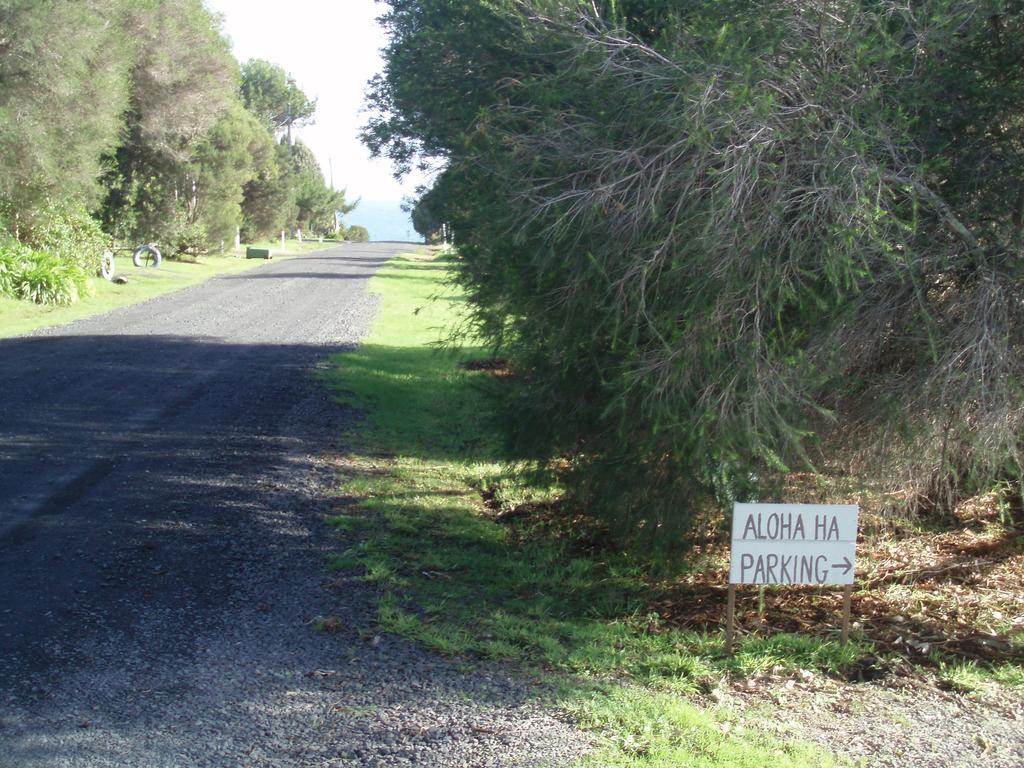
331 48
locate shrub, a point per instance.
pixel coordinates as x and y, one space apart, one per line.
62 245
188 240
12 255
68 232
736 240
47 279
357 234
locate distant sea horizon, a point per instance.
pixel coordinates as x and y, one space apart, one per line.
384 219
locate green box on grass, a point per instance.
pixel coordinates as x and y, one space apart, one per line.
258 253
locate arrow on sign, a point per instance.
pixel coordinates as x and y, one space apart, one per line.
846 565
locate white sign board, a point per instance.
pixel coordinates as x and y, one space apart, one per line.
793 543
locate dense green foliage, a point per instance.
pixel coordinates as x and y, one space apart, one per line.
273 96
316 205
269 198
182 85
357 234
288 191
728 240
134 113
56 57
39 276
65 230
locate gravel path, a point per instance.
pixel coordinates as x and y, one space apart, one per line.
903 721
164 472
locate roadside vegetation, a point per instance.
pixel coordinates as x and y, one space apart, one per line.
439 519
471 554
740 251
129 121
720 252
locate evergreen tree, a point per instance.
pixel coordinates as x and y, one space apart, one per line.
183 83
228 158
728 240
55 58
272 95
316 203
268 205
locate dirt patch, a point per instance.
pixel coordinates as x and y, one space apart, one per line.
950 596
496 366
927 598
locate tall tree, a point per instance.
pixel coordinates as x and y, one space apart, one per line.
63 91
268 204
316 203
183 81
229 157
726 240
272 95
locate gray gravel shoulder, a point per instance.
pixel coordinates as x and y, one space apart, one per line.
902 722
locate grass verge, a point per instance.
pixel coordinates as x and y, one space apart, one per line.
18 317
461 582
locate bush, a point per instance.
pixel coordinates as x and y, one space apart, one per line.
44 278
68 232
62 245
357 234
734 241
12 254
188 240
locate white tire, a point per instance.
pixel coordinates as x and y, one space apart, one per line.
146 256
107 265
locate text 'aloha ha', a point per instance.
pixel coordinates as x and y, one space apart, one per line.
788 526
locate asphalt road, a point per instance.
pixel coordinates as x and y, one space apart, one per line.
164 474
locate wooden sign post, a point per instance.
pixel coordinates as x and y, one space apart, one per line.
792 544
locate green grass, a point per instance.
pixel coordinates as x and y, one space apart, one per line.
972 677
641 727
458 582
18 317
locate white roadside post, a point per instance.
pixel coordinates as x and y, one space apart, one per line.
792 544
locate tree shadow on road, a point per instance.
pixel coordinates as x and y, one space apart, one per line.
160 516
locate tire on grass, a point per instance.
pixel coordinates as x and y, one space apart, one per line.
146 256
107 268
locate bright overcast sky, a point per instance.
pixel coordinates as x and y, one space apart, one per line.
331 48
